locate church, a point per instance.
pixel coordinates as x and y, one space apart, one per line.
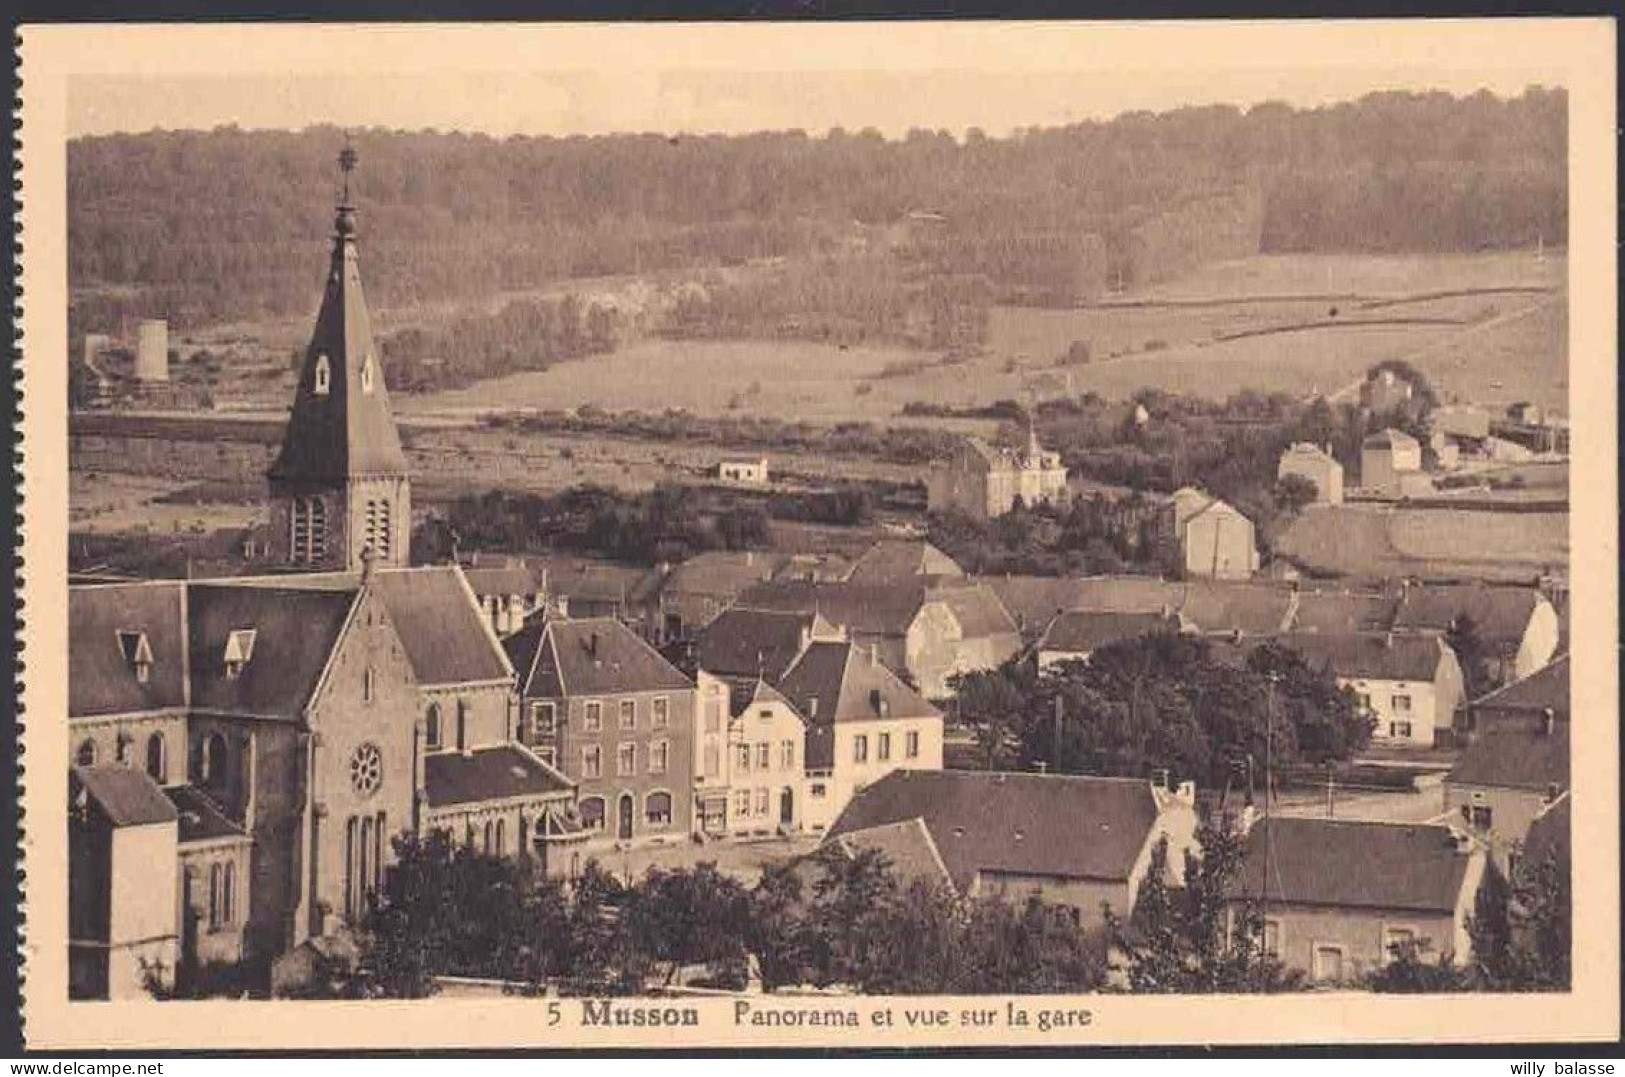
244 751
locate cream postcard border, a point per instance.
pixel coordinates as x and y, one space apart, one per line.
1580 54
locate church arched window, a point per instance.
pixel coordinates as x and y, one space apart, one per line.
214 760
431 727
158 759
324 375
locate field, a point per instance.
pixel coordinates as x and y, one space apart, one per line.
1490 328
1367 541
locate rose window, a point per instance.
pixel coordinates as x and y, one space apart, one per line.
366 769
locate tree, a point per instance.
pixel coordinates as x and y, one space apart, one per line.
1198 939
1522 929
1473 654
1412 971
689 917
1294 492
992 701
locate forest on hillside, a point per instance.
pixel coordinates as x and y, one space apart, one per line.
204 227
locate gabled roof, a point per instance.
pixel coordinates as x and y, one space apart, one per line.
744 642
895 560
594 581
720 573
760 694
1515 757
977 609
557 658
348 429
849 685
446 637
1083 631
201 819
1499 614
1188 501
1391 439
909 852
1348 864
498 773
295 631
1026 824
1370 655
871 609
1337 611
1546 688
1304 452
503 580
128 797
101 680
1224 606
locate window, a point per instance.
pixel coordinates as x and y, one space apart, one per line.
860 749
366 769
543 722
1272 937
462 724
713 716
215 874
369 686
657 809
308 523
431 727
1328 964
1364 700
547 755
239 649
324 375
228 896
1478 816
1399 729
626 760
787 755
812 706
214 760
817 791
502 837
377 526
1551 792
593 717
1394 938
911 744
629 714
742 803
592 763
883 747
659 752
660 713
713 760
157 759
592 813
86 755
764 753
1400 704
761 801
743 762
766 714
137 653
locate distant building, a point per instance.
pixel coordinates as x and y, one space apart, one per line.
507 593
1084 842
1446 450
1338 895
1205 536
1506 777
766 757
1385 391
744 645
1388 459
862 723
1460 421
984 482
679 603
1524 703
1411 685
752 472
1318 466
1518 626
152 350
1075 635
1526 413
893 560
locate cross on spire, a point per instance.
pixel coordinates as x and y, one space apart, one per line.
347 162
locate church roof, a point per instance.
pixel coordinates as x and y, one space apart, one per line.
342 428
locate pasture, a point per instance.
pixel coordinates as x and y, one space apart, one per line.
1371 541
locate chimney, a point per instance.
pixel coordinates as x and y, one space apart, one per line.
1186 793
369 559
592 645
874 654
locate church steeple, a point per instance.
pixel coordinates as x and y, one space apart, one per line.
341 446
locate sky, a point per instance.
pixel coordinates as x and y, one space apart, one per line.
690 79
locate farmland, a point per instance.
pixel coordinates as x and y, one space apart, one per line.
1368 542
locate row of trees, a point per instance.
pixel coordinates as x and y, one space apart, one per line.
1163 701
1094 535
452 215
525 334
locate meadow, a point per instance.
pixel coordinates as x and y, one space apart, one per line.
1369 541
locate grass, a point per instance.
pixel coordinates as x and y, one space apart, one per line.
1370 542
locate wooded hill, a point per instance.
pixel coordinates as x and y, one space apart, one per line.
210 226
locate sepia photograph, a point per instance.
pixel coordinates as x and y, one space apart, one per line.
680 547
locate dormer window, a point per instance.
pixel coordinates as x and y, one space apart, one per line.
239 649
137 654
366 374
324 374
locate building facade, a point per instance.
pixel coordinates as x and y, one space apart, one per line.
985 482
1318 466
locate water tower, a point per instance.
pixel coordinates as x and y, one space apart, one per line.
152 350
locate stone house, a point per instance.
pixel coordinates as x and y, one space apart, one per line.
1080 841
1317 465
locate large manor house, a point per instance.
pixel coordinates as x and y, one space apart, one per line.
246 750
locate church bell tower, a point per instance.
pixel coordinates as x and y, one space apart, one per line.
339 487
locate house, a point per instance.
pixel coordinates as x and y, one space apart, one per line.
1319 466
1460 421
1075 635
1524 703
508 592
1446 451
616 718
1505 778
1391 463
985 482
751 472
1206 537
1337 895
1344 610
1506 451
742 645
689 595
1209 607
1386 390
893 560
1410 685
924 629
766 756
862 723
1525 413
1517 626
580 587
1080 841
